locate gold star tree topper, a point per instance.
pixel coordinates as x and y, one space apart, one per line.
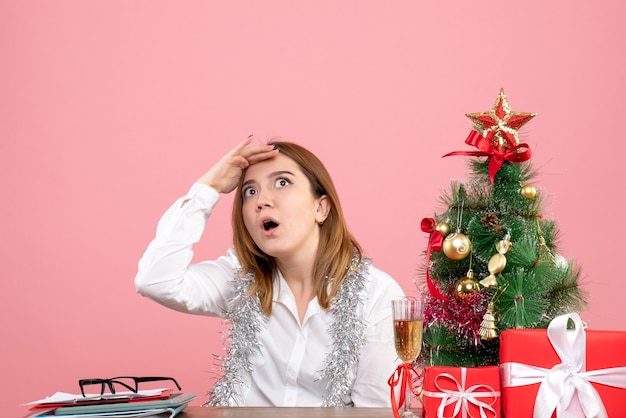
500 125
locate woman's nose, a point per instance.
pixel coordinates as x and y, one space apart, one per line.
264 199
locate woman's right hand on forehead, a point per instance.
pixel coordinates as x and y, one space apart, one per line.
225 174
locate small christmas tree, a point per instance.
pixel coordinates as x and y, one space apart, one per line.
492 261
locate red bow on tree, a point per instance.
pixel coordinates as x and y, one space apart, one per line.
435 243
497 156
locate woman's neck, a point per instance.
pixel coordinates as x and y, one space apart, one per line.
298 275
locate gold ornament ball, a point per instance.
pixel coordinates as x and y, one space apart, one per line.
443 228
528 191
456 246
465 287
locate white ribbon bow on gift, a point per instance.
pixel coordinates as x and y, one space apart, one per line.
461 397
563 381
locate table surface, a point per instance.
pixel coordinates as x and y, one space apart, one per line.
286 412
282 412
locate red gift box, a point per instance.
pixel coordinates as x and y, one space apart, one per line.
461 392
583 372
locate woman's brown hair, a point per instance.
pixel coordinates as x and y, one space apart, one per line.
336 246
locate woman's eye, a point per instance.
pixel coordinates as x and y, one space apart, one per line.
249 192
282 182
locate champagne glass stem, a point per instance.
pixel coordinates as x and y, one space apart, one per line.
407 402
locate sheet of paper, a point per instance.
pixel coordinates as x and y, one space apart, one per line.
161 412
127 414
63 397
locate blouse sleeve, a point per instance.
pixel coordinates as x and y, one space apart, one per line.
165 272
378 358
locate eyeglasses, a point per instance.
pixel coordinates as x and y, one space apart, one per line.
129 382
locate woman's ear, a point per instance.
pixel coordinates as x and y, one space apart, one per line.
323 209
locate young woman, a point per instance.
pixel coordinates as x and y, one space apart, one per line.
310 317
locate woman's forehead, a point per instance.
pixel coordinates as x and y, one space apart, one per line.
266 168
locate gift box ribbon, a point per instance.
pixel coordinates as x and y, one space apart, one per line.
560 383
462 396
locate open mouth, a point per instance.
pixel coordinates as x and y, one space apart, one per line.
268 225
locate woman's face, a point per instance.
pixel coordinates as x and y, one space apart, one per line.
279 209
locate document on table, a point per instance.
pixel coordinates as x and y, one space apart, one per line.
70 398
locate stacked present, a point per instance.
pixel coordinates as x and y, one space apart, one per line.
563 371
461 392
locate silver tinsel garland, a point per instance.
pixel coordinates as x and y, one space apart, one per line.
246 319
348 332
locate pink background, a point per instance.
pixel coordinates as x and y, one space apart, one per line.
109 110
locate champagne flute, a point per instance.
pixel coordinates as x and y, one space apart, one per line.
408 323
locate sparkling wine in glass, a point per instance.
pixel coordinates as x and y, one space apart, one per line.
408 323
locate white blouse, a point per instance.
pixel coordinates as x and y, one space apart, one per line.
287 368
